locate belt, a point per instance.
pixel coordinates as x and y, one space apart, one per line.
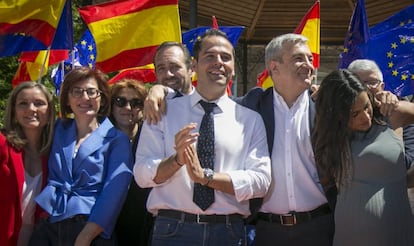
200 218
294 218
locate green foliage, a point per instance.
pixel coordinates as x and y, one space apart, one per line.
8 67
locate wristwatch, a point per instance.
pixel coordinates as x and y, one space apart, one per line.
208 174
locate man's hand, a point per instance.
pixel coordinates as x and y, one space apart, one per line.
194 169
184 138
314 89
155 105
387 102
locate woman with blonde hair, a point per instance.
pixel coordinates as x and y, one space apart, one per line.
24 147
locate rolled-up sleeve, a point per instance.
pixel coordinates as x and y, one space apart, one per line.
254 180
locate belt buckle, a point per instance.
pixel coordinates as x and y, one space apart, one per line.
199 221
282 219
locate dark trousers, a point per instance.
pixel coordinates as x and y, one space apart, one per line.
135 223
316 232
172 232
63 233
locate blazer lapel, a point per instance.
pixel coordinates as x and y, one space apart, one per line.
93 142
268 115
68 141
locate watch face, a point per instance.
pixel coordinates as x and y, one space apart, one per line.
208 173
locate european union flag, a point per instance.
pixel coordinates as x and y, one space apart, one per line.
63 39
87 50
402 18
393 51
358 33
233 34
83 54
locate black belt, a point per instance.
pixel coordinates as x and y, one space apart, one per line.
200 218
294 218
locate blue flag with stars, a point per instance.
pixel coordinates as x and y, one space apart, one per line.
233 34
393 51
402 18
83 54
358 33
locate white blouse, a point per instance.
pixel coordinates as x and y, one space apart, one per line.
31 188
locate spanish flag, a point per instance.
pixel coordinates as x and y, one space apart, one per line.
144 74
27 25
264 80
127 33
308 27
34 64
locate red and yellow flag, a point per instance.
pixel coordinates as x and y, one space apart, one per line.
128 32
28 25
308 27
33 65
144 74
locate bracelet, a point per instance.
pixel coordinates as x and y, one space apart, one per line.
176 161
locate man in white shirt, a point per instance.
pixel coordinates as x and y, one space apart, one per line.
167 158
295 211
298 209
172 62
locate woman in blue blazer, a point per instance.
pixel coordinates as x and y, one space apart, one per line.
89 167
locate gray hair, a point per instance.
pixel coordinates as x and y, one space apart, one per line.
365 65
274 50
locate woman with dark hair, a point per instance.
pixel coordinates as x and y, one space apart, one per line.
365 158
127 102
24 146
89 167
134 222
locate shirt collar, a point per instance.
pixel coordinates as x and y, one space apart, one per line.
279 101
221 102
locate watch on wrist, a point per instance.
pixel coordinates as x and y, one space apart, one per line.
208 174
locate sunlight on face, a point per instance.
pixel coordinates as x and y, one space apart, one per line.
360 118
32 109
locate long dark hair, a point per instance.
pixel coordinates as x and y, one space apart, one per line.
331 135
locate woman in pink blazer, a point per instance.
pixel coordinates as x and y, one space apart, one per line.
24 147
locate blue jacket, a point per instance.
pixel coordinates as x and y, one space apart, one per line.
95 182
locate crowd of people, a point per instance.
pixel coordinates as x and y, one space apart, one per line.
182 165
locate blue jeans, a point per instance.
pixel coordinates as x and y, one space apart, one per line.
171 232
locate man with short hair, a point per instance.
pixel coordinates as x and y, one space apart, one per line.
203 174
295 211
298 209
172 62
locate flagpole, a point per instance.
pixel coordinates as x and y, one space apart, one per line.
44 64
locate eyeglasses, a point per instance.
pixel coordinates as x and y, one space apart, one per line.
91 92
122 102
373 83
